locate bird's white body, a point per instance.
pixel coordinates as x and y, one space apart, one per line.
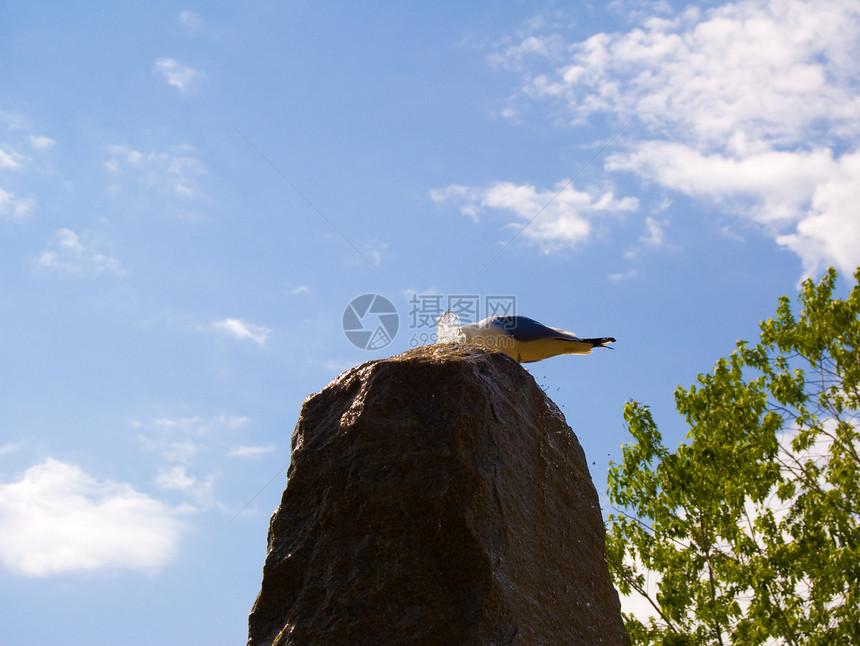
526 340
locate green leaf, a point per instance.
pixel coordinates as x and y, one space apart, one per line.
752 522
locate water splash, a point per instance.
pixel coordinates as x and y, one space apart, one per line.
448 329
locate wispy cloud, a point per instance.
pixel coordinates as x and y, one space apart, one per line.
564 214
12 120
57 519
244 331
184 78
41 142
653 239
15 136
374 250
654 235
191 21
175 173
10 159
692 72
465 198
185 446
9 448
201 491
623 275
18 135
180 439
173 448
177 439
72 253
728 100
202 426
518 55
13 207
249 451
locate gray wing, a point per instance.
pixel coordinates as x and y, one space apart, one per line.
523 329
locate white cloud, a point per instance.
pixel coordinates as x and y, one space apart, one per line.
12 121
200 491
373 251
515 56
655 237
729 101
173 449
181 439
178 439
467 199
623 275
830 230
9 448
249 451
57 519
69 252
19 132
13 207
172 174
769 68
41 142
16 132
175 478
191 21
201 426
555 218
780 182
183 78
187 445
10 159
242 330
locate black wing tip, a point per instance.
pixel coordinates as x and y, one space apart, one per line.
599 342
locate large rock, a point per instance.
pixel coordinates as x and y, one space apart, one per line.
437 497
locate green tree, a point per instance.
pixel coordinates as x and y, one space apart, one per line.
750 527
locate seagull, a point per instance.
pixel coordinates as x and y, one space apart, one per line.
526 340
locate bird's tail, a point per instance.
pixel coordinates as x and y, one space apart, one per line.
599 342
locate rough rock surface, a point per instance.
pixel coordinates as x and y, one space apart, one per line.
436 497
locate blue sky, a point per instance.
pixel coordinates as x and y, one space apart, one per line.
191 196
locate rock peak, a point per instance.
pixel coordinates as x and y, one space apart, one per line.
436 497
